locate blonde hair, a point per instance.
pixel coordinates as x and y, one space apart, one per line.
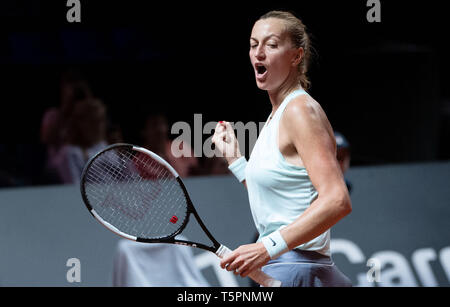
299 38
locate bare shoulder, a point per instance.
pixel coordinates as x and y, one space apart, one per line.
305 121
304 109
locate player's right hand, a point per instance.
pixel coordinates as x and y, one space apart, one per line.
227 145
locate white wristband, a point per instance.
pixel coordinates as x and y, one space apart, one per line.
275 244
238 168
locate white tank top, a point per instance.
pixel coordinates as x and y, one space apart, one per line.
278 191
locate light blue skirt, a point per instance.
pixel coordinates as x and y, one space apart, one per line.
299 268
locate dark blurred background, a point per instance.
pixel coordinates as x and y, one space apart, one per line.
383 85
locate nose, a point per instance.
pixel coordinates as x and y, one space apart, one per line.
260 54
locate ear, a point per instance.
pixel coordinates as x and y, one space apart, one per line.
299 53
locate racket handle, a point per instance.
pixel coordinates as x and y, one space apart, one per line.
258 276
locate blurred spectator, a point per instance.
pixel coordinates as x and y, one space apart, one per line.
180 155
343 155
155 265
86 135
73 88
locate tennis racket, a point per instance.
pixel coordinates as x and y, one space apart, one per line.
137 195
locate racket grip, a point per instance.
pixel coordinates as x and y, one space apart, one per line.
258 276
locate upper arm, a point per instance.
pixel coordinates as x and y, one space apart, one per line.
312 136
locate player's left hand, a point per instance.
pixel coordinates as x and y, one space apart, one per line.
246 259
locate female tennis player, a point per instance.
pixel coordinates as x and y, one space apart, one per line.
295 186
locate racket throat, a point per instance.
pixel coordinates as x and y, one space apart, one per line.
192 244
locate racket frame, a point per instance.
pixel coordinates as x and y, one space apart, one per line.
169 239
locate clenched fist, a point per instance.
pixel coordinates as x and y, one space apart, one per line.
226 142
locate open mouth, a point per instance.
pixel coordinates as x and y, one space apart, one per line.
261 70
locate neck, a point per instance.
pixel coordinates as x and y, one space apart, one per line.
277 96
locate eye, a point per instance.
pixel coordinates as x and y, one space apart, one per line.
272 45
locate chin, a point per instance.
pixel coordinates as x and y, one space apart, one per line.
263 86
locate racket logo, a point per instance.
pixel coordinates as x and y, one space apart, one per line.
174 219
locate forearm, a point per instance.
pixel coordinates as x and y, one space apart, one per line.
323 213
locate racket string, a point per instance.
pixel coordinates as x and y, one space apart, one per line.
136 193
115 172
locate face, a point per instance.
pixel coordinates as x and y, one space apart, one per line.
273 57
